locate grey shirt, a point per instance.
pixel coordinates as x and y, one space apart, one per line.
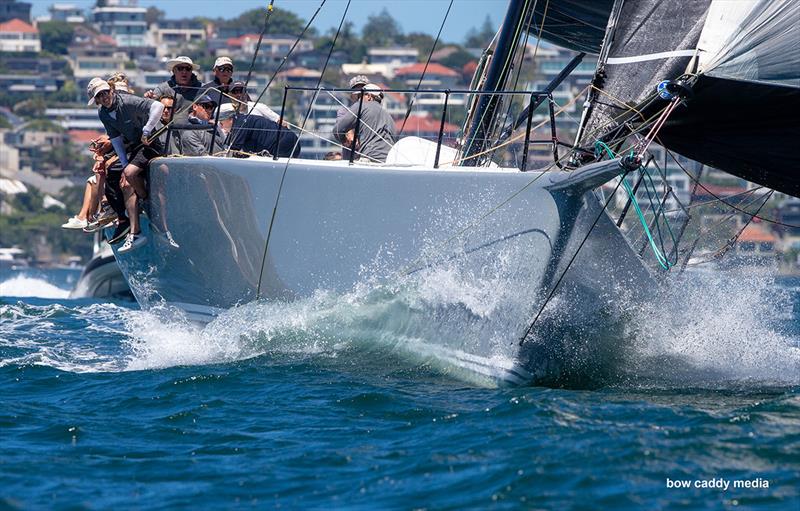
376 135
126 117
183 94
195 142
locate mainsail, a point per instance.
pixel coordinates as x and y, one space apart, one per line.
740 57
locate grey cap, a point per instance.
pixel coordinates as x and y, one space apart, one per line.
358 81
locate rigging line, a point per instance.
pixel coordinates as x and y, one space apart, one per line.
258 45
519 70
713 201
425 69
274 74
720 199
720 253
503 71
297 142
322 73
360 123
572 259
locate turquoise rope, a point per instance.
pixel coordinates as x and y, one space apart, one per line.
660 257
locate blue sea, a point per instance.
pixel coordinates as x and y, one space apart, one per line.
105 406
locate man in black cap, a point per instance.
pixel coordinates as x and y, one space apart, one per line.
196 142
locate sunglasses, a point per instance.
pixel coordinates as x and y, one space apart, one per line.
225 69
237 91
167 107
182 69
207 106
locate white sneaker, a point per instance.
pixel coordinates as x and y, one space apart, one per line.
132 242
75 223
171 240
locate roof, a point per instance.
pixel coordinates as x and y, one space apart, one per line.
718 190
82 137
301 72
423 124
17 25
434 68
238 41
757 234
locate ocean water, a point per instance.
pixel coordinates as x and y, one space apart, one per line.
322 404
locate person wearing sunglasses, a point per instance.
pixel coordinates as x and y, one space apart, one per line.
129 122
196 142
219 87
183 86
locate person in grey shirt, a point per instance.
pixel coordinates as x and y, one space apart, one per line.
376 132
196 142
183 86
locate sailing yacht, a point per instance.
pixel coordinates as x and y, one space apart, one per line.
535 253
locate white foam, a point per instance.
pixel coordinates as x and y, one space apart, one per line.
27 287
718 328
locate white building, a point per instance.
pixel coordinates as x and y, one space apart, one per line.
16 35
66 12
123 21
173 37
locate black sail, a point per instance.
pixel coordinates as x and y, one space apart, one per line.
742 59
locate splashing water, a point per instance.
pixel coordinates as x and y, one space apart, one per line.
712 329
26 286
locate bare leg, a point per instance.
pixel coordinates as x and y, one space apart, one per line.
133 175
130 175
99 193
87 202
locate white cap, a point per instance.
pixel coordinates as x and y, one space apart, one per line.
226 111
222 61
183 59
96 85
373 90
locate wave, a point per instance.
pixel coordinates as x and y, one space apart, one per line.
710 331
23 286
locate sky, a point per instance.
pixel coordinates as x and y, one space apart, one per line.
412 15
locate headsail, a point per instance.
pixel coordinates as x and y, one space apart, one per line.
743 63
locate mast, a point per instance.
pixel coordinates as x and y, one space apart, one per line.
499 71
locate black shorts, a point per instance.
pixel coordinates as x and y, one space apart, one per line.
141 156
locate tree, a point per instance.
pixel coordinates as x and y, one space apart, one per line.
457 59
480 38
381 30
281 22
56 36
422 42
153 15
347 42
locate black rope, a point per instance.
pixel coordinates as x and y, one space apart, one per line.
297 142
231 135
425 69
258 45
720 199
572 259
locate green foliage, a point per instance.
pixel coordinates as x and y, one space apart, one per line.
56 36
423 43
43 125
482 37
457 59
347 42
30 222
153 15
281 22
382 30
69 93
33 107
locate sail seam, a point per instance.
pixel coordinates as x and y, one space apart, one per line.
651 56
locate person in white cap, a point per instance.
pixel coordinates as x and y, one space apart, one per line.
223 78
183 86
129 121
376 132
